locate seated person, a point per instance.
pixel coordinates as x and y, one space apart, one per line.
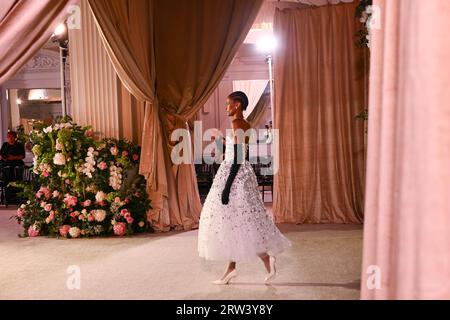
12 152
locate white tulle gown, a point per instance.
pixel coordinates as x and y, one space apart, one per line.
242 229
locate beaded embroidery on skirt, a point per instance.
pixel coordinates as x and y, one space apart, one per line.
242 229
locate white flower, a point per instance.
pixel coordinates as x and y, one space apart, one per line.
58 145
59 159
114 151
100 196
99 215
55 194
48 129
74 232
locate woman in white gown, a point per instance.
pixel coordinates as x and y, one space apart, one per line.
234 224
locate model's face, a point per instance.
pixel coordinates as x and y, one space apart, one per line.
11 139
232 107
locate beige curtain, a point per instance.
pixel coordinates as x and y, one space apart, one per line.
318 92
25 26
407 210
172 54
262 109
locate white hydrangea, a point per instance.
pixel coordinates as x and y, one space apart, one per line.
99 215
100 196
74 232
59 159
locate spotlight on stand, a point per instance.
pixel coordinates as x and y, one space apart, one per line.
267 45
61 37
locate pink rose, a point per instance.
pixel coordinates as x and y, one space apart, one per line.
45 173
48 207
38 195
127 200
33 231
130 220
64 230
123 212
117 199
124 153
135 157
119 229
20 213
46 192
127 215
91 218
70 201
86 203
102 165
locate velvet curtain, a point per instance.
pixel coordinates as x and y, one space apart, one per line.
407 210
172 54
319 89
25 26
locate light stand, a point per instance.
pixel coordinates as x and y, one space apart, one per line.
61 38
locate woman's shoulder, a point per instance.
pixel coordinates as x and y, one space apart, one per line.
241 124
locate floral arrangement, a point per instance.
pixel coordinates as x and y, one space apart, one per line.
363 13
84 187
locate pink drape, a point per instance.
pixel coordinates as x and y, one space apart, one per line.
319 89
25 26
407 210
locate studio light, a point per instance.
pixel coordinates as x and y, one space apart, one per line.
267 44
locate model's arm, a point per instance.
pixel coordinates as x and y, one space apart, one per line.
234 169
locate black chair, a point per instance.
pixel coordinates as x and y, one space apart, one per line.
205 175
264 177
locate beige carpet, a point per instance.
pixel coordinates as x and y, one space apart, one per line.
324 263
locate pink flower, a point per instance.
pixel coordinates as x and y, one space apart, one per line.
64 230
46 191
117 199
130 220
91 218
45 173
33 231
124 153
123 212
50 217
20 213
86 203
70 201
80 217
102 165
48 207
127 200
127 215
135 157
119 229
38 195
67 181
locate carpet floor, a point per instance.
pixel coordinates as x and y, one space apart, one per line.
323 263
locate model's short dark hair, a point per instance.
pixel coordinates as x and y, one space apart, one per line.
240 97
